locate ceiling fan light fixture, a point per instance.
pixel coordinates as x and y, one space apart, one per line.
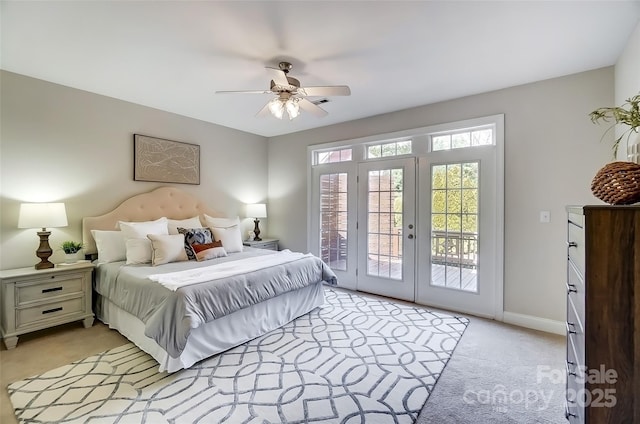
279 106
292 107
276 107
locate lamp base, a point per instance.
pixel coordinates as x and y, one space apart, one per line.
44 251
256 231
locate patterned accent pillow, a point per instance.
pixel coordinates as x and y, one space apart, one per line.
195 236
208 251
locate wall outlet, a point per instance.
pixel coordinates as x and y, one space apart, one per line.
545 217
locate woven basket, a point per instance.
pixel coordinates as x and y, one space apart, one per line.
617 183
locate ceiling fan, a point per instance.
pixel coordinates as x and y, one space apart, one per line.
290 96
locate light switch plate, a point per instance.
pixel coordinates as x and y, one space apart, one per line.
545 217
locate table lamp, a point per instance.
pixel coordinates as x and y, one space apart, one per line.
43 215
257 210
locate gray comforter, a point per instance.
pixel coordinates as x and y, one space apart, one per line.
169 316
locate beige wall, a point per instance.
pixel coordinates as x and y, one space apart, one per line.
67 145
552 151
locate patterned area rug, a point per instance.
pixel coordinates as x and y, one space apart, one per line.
355 360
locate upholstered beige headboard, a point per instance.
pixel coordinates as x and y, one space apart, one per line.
170 202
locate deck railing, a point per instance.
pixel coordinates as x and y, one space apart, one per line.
457 249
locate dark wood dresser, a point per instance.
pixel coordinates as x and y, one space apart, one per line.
603 314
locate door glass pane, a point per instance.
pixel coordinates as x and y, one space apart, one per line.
333 220
454 226
384 223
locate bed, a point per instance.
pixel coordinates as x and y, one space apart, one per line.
182 311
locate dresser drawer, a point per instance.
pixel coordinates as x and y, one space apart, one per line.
576 247
34 291
576 218
48 311
576 290
575 400
575 332
575 384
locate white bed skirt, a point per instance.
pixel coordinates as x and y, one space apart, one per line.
219 335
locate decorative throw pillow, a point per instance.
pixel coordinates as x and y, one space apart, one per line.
208 251
110 246
138 251
173 224
165 249
141 229
195 236
230 237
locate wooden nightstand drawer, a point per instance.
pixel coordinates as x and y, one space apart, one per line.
37 290
54 310
268 244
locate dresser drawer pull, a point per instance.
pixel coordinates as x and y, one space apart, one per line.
569 372
49 311
52 289
571 288
571 328
572 244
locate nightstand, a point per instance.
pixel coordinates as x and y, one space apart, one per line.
36 299
269 244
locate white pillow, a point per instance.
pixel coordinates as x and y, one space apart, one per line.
221 222
141 229
165 249
110 245
138 251
230 237
173 224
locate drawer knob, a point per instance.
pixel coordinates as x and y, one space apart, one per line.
571 288
569 372
573 244
571 328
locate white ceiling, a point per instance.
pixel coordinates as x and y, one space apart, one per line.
173 55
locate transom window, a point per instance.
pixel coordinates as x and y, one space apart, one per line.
386 149
473 137
333 156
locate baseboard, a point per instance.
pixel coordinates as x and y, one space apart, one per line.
535 323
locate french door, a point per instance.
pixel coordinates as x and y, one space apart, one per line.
457 239
386 228
423 224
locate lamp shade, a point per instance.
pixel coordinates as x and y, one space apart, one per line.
42 215
257 210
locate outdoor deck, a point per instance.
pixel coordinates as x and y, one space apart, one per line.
441 275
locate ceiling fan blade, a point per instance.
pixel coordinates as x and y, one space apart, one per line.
279 77
313 109
245 92
330 90
264 111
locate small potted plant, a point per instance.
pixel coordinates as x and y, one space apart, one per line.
627 114
71 249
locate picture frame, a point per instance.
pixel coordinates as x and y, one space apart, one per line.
166 161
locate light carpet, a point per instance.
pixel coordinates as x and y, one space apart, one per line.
354 360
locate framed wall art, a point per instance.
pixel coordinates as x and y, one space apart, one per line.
167 161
